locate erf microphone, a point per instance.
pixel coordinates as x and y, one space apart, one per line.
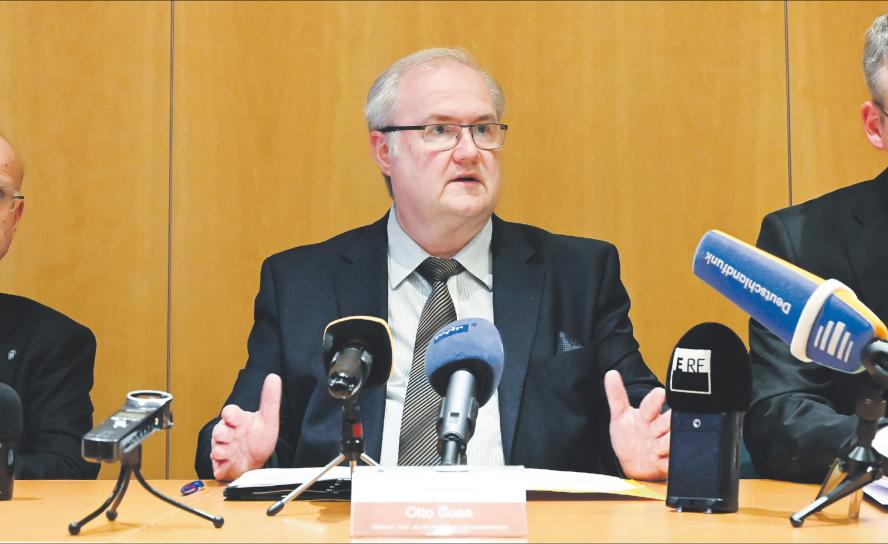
357 349
10 431
708 386
821 320
464 363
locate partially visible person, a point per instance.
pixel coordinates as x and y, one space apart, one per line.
802 414
46 358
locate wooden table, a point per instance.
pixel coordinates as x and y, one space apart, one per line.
41 510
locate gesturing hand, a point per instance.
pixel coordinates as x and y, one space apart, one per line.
640 436
245 440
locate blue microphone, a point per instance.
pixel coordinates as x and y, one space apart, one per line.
464 363
821 320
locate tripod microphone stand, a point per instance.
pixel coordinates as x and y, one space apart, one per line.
131 464
351 449
860 464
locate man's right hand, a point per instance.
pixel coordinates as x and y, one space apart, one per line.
245 440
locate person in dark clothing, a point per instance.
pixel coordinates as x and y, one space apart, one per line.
46 358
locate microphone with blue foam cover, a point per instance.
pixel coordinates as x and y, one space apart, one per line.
472 344
821 320
464 363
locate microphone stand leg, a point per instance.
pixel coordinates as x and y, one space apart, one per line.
366 458
111 514
217 521
850 484
130 464
119 489
276 507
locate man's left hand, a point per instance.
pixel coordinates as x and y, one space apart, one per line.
640 436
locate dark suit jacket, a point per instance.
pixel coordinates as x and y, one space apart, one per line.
48 359
801 413
553 412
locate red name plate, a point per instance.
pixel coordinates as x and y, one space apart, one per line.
476 502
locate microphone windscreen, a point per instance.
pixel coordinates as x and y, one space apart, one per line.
709 371
472 344
832 331
369 333
10 413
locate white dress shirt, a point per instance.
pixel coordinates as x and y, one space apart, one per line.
472 294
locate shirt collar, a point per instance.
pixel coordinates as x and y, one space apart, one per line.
405 255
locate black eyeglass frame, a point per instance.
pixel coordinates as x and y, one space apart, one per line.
881 108
398 128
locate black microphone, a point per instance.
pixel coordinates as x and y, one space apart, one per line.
357 349
464 363
10 431
708 386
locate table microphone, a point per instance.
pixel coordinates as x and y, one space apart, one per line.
357 354
708 386
820 320
10 431
464 363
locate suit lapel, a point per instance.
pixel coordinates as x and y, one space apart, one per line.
517 284
362 289
867 247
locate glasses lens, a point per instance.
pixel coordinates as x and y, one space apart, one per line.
441 136
488 136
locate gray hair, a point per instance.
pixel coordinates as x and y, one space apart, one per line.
384 92
875 52
383 95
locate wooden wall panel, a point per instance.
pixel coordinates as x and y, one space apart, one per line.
84 93
827 88
641 123
647 124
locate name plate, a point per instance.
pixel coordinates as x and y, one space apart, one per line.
472 502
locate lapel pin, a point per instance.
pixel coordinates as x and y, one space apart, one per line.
11 355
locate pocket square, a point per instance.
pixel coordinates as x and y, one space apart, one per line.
567 342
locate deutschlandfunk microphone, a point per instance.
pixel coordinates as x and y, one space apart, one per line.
821 320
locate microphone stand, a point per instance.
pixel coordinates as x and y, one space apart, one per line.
859 464
131 464
351 449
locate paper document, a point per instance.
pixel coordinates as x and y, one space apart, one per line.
536 481
560 481
878 490
269 477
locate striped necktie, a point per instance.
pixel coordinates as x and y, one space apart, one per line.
419 438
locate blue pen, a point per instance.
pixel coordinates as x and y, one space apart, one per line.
192 487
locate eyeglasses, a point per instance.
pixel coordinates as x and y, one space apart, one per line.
9 199
444 136
881 108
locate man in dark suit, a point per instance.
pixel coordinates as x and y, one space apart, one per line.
802 414
558 302
46 358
